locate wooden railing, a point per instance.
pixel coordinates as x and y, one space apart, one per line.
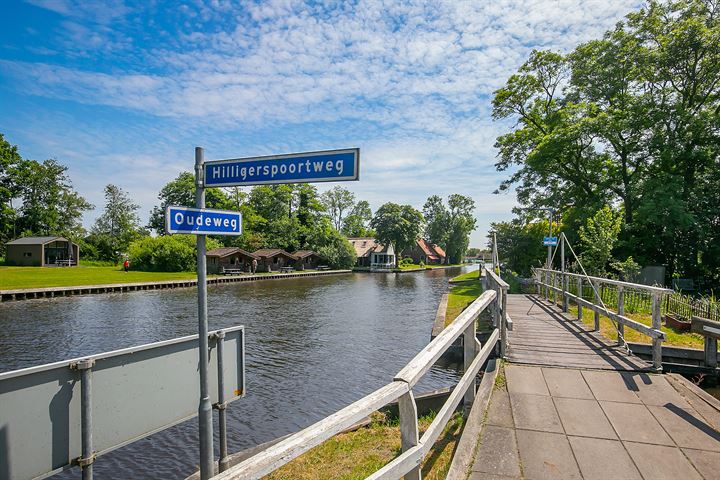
555 285
414 447
501 319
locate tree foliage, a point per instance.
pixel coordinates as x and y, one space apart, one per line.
597 239
629 119
450 227
338 201
117 226
398 225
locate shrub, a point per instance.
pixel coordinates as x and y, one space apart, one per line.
338 252
406 261
422 264
170 253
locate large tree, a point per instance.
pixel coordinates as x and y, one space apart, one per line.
357 223
631 119
117 226
450 226
338 202
10 162
397 225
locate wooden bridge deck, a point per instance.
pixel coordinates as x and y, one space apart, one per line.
543 335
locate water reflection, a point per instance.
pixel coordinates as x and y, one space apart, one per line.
313 346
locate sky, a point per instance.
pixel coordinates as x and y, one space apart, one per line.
121 92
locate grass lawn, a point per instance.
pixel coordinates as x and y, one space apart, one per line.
39 277
355 455
675 338
474 275
461 295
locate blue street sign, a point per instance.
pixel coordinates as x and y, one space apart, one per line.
202 221
326 166
550 241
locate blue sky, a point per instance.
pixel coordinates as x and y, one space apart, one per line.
122 91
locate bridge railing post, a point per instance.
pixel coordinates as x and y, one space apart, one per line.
580 296
656 323
620 311
409 429
597 303
503 321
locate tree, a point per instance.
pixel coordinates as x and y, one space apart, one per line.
520 244
117 226
50 206
436 221
338 201
397 225
357 223
461 223
181 192
337 252
169 253
598 238
10 162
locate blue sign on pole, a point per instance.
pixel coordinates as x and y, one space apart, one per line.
326 166
550 241
202 221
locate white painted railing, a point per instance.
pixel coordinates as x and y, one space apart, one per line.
414 447
551 283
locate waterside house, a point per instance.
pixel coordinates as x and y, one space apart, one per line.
229 258
273 259
426 252
306 259
42 252
372 254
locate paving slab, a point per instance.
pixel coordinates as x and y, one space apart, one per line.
610 386
498 452
499 412
584 418
658 462
535 412
546 456
635 423
563 382
601 459
654 390
527 380
489 476
687 428
707 463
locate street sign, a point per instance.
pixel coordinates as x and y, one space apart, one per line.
325 166
550 241
202 221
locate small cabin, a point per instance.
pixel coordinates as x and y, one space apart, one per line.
307 260
273 259
372 254
42 252
229 258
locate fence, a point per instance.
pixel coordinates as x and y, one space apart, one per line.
552 283
414 447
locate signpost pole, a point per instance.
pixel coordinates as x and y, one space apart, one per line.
205 408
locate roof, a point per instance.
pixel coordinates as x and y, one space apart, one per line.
425 246
227 251
272 252
36 240
363 245
439 250
305 253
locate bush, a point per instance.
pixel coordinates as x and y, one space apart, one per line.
422 264
338 253
170 253
406 261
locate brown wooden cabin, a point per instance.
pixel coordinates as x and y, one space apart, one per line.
306 260
234 258
273 259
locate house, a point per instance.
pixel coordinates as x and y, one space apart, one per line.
426 252
220 259
372 254
307 259
273 259
42 252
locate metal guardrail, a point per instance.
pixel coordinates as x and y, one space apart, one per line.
551 283
414 447
67 413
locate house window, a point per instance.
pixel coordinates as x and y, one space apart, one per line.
27 254
275 260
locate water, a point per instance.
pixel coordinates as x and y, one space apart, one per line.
313 346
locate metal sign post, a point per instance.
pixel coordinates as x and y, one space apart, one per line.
205 408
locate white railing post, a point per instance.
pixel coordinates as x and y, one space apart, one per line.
597 303
409 430
656 324
538 279
621 311
580 296
503 322
470 350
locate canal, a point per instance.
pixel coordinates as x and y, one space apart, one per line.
313 346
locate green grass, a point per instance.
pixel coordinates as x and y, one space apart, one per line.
356 455
41 277
474 275
461 295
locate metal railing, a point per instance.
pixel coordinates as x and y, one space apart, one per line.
383 266
414 447
555 285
